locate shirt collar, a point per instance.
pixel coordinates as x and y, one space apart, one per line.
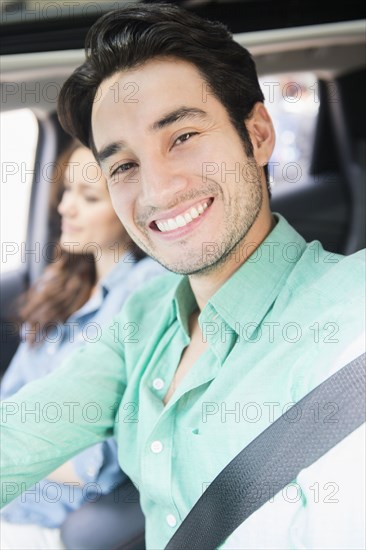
116 276
118 273
246 297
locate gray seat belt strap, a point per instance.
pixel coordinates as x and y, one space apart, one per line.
274 459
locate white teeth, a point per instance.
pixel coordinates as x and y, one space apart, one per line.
181 222
171 224
182 219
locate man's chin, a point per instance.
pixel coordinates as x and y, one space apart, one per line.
190 264
198 268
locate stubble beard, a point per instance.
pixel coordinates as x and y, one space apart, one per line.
247 206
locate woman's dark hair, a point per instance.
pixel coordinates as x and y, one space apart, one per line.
130 36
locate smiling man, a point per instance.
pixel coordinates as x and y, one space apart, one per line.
253 317
156 182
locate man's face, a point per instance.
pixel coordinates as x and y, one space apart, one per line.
176 169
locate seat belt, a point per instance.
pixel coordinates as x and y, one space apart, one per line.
274 459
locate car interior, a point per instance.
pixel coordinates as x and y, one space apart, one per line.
311 62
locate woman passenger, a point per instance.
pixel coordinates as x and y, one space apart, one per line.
95 269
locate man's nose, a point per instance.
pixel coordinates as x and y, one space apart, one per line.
161 182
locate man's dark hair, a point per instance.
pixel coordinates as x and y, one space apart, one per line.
128 37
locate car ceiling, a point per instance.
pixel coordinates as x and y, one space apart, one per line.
29 26
42 42
327 49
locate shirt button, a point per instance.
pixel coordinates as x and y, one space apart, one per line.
91 471
51 350
158 384
171 520
156 446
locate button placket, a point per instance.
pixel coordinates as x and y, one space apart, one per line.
158 465
156 446
171 520
158 384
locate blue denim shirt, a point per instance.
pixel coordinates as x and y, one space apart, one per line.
49 502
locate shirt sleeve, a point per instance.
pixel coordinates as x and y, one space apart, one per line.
52 419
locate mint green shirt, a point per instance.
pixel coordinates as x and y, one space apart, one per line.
288 318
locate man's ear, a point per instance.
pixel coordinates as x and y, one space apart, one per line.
261 132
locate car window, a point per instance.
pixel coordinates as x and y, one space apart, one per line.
293 103
19 135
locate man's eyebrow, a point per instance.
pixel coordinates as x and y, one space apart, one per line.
168 118
109 150
178 114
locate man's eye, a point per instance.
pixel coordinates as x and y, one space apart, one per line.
123 168
184 137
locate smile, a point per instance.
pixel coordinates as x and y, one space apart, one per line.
183 219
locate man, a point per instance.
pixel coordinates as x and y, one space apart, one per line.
196 367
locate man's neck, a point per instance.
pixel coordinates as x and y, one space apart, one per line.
205 286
